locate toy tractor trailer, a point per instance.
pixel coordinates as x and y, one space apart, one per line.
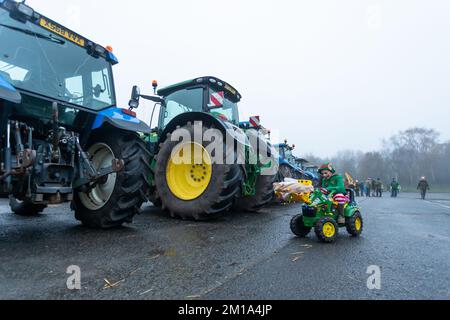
62 138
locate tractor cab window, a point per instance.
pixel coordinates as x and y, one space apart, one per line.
46 64
222 106
183 101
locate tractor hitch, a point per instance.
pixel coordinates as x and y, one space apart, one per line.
89 182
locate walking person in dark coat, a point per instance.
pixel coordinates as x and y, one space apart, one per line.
423 187
357 188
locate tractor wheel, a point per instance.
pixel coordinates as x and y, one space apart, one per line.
355 224
264 195
156 201
189 189
327 230
25 208
298 227
118 198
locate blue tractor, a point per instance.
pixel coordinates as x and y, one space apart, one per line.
289 166
62 137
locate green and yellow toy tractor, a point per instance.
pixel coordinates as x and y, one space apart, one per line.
320 213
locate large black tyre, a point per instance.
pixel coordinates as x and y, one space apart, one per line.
355 224
124 192
218 197
264 195
327 230
25 208
298 227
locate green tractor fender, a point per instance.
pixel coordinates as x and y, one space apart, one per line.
267 155
227 128
350 210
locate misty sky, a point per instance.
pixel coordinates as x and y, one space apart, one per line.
328 75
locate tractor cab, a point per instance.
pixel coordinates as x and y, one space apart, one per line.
207 94
42 62
286 152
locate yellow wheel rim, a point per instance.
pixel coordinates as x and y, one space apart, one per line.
329 230
189 171
358 224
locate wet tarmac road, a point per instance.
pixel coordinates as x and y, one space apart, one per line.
240 256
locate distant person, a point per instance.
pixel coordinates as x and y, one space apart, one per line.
368 187
395 188
379 188
362 188
423 187
357 188
374 188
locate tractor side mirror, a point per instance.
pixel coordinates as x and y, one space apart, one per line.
135 96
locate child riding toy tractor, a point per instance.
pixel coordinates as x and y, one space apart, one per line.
321 213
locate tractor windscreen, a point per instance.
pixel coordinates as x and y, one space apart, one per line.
182 101
38 61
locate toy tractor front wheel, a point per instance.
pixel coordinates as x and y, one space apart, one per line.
355 224
327 230
118 198
298 226
189 183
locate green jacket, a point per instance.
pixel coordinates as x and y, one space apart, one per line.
395 185
334 184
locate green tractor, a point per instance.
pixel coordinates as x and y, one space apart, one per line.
205 162
320 214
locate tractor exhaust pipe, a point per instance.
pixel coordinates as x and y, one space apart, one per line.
55 137
8 161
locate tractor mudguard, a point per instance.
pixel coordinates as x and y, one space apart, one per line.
119 119
268 156
350 210
8 92
225 127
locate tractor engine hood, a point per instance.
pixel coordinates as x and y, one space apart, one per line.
8 92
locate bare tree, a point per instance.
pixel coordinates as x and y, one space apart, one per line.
406 156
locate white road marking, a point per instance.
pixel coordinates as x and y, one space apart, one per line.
438 204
